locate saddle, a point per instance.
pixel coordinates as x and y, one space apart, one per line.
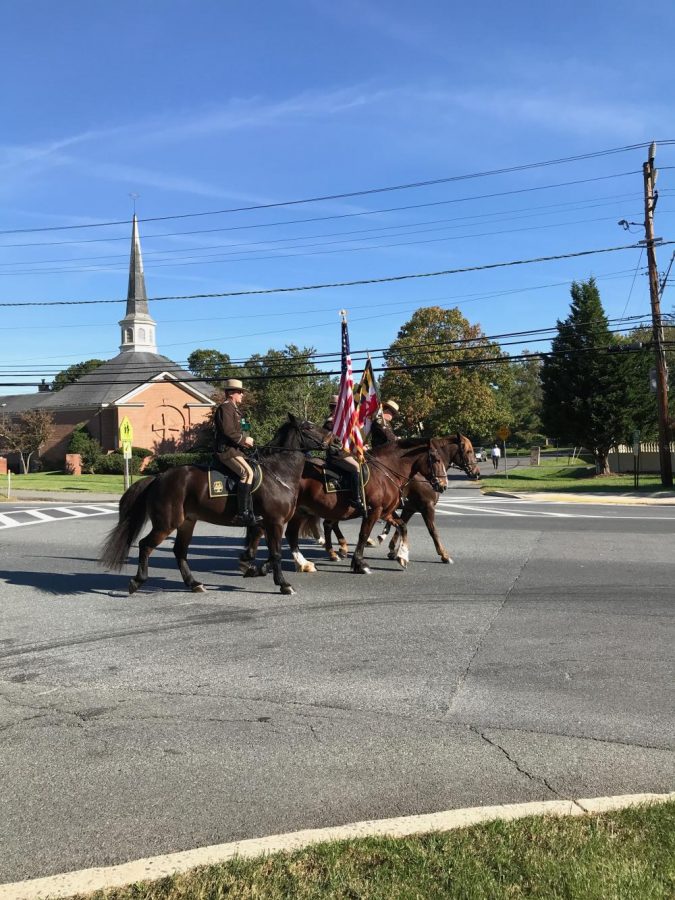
222 482
335 480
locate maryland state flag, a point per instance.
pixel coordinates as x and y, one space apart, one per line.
367 401
345 421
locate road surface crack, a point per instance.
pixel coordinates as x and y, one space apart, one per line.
536 778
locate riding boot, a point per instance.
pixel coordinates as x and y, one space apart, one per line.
355 489
246 516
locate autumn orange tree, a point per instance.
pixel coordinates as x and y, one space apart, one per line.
436 371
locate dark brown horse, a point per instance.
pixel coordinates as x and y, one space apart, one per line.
177 499
391 469
418 496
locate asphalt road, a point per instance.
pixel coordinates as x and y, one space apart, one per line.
539 666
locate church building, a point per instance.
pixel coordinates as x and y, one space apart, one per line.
163 402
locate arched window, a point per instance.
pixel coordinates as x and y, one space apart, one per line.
141 335
128 336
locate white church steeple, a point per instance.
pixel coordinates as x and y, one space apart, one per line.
138 328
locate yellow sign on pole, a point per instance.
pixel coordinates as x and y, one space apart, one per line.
126 449
503 432
126 431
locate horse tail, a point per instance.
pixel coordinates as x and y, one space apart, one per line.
310 527
133 516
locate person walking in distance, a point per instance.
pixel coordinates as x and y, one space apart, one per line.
232 445
495 455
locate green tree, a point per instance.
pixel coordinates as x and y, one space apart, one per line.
75 372
272 397
211 365
592 396
525 400
26 434
461 393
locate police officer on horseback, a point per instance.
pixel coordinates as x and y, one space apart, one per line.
340 459
232 446
381 430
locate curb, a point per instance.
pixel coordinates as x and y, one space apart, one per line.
598 499
89 880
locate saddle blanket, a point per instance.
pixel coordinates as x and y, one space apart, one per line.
334 480
223 484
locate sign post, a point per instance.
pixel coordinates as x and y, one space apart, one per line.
126 434
502 434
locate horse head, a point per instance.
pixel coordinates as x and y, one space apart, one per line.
299 434
462 456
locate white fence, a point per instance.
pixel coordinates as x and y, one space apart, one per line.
622 459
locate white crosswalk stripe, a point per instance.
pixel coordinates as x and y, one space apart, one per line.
19 518
533 509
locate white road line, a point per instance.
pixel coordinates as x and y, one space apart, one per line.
99 879
39 516
492 512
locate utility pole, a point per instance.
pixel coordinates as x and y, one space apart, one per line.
649 172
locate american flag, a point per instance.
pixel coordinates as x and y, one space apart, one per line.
345 423
366 399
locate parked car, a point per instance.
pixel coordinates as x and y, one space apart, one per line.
479 453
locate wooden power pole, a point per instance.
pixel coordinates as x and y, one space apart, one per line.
650 172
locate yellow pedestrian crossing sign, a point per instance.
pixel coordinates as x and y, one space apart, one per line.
126 431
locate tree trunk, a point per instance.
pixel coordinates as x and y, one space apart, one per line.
602 463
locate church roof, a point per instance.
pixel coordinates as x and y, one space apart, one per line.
118 377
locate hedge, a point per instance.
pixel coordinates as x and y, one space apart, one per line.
168 460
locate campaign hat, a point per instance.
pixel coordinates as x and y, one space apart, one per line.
233 384
392 405
334 400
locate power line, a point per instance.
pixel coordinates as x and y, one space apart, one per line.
340 284
348 194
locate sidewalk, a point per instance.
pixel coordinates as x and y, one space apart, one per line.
634 498
67 497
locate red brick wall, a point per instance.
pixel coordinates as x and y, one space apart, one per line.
163 422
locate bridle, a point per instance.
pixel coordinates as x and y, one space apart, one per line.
463 463
436 479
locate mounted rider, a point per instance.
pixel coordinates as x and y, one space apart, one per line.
343 461
381 429
232 445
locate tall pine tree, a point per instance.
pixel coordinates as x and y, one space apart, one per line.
589 392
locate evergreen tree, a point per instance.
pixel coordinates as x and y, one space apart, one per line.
75 372
591 396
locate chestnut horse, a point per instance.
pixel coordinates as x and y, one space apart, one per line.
178 498
418 496
391 469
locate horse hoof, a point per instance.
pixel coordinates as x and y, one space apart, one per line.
380 539
370 542
321 541
447 560
133 586
343 553
403 563
308 567
391 554
287 590
250 572
332 556
363 570
198 588
244 567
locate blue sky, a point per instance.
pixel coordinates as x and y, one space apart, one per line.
207 105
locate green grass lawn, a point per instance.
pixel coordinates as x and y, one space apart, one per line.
579 479
57 481
626 855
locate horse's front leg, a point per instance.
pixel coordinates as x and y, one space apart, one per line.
274 533
180 549
247 565
406 516
367 525
429 516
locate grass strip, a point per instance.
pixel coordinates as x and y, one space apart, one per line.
57 481
573 479
624 855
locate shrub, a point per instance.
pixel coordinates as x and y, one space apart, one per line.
88 447
168 460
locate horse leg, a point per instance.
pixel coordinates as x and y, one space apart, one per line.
313 525
343 552
385 531
429 515
145 547
358 565
180 549
292 535
406 516
274 533
328 543
403 552
247 565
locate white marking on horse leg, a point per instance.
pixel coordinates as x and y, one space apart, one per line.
302 564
